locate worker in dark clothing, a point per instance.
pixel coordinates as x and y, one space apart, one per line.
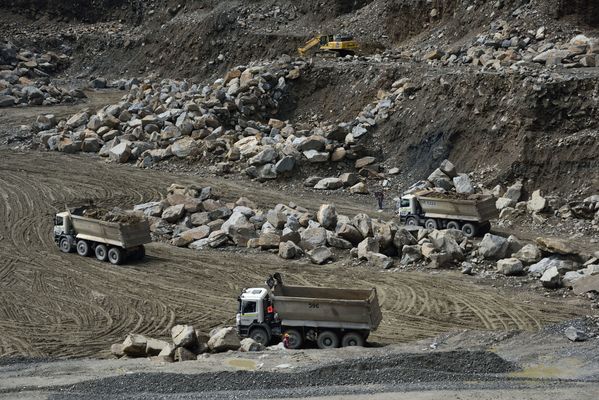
380 197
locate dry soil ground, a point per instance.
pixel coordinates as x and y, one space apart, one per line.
52 304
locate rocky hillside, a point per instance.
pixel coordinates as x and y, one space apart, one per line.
504 88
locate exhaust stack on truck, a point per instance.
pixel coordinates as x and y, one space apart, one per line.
330 317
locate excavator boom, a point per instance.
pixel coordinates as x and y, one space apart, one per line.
309 44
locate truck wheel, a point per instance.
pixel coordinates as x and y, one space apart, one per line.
101 252
260 335
352 339
469 230
327 340
115 255
430 224
453 225
295 339
412 221
65 245
83 248
141 252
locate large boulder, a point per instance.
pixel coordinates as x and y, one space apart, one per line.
349 233
249 344
183 335
514 192
379 260
463 184
184 147
410 254
268 241
493 247
224 339
556 246
320 255
173 213
439 179
327 216
335 241
510 266
528 254
448 168
120 153
551 278
313 238
135 345
289 250
368 245
363 223
402 238
329 184
537 203
266 156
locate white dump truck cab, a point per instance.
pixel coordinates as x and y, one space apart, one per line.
62 223
409 209
255 315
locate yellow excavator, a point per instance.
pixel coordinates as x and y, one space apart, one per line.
342 45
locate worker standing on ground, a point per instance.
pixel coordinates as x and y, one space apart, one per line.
380 197
286 340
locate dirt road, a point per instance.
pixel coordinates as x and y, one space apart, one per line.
52 304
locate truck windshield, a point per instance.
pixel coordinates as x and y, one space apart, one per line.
58 221
404 203
248 307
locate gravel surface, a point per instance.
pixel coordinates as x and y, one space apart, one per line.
446 367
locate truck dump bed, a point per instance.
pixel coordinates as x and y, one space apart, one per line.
327 307
476 208
115 233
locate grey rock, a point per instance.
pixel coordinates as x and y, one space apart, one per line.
327 216
575 335
551 278
320 255
493 247
510 266
329 184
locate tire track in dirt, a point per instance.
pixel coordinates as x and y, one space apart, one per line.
64 305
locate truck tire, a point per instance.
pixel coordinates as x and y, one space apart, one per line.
352 339
83 248
430 224
115 255
101 252
484 228
412 221
295 339
141 252
260 335
469 230
327 340
65 245
453 225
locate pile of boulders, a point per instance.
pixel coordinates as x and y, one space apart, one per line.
187 344
446 179
229 125
25 77
553 261
196 218
506 47
541 207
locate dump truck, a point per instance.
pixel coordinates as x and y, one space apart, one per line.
340 44
471 215
108 241
329 317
